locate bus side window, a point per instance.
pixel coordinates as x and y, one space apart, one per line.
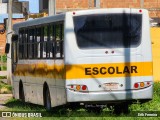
20 44
58 55
38 38
21 47
53 39
48 44
31 38
45 39
52 55
41 41
35 44
50 41
25 43
59 40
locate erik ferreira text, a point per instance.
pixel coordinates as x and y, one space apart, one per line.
145 114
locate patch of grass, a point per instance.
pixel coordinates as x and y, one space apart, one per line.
4 68
64 112
3 77
5 88
153 105
9 87
4 58
17 105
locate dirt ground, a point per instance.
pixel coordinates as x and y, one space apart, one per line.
3 99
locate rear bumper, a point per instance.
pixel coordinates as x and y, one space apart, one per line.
112 96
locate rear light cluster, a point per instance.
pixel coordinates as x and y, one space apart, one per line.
77 87
140 85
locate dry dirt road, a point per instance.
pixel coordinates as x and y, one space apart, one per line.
3 99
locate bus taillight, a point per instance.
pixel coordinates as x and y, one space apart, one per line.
77 87
136 85
84 87
141 85
148 83
72 86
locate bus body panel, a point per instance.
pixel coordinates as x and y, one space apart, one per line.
94 68
33 83
88 63
110 97
34 73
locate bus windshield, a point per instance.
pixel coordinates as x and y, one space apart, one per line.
117 30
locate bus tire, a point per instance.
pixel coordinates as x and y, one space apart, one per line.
121 108
47 99
21 92
125 108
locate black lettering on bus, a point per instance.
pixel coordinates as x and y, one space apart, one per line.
126 70
87 71
117 70
111 70
134 69
103 70
95 71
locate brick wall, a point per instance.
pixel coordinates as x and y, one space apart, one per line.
120 3
2 39
63 5
70 4
3 36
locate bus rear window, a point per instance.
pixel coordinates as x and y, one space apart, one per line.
108 30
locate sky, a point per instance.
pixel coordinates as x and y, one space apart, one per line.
3 16
33 6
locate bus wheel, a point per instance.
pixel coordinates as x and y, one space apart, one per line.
121 108
21 92
47 99
125 108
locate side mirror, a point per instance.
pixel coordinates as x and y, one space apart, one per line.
7 47
14 37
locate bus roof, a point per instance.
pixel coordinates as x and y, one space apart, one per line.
38 21
60 17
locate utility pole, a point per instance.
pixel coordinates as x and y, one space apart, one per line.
9 35
97 3
89 3
52 7
142 3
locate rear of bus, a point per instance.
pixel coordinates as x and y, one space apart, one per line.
108 55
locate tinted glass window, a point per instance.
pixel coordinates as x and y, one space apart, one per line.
4 1
108 30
